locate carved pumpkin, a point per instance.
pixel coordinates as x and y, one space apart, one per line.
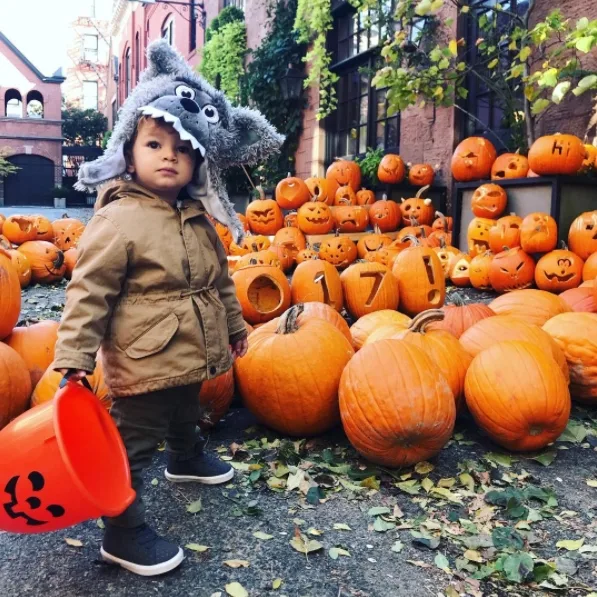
421 282
385 214
556 154
511 270
506 233
447 257
225 235
582 237
421 209
509 165
67 232
460 274
264 215
15 383
292 192
251 244
5 243
306 255
351 218
365 197
538 233
243 220
10 295
345 196
338 250
387 255
489 201
19 229
534 306
43 228
368 287
421 175
291 238
47 261
590 161
372 242
317 280
285 253
22 266
315 217
341 173
291 219
262 291
70 261
439 238
472 159
265 257
319 189
478 235
416 230
479 271
558 271
391 169
589 270
442 222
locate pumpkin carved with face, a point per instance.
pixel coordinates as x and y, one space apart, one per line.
372 242
365 197
442 222
538 233
342 173
460 274
556 154
315 217
385 214
264 215
478 235
267 257
479 271
292 192
472 159
351 218
558 271
506 233
511 270
447 257
489 201
416 207
291 238
306 255
391 169
319 187
251 244
421 175
509 165
339 251
582 237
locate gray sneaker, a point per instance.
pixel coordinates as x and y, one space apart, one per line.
140 550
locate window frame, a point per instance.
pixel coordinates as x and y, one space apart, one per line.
87 84
167 30
90 54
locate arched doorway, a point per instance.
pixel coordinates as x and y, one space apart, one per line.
32 184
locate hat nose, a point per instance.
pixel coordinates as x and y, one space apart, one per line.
189 105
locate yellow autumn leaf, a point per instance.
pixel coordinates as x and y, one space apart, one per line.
73 542
276 583
235 589
236 563
453 47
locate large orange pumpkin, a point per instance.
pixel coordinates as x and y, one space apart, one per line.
318 188
19 229
511 270
505 234
10 295
589 270
215 398
341 173
292 192
385 215
351 218
401 417
421 175
289 377
460 316
367 325
538 233
67 232
15 384
22 265
510 165
582 236
35 344
338 250
315 217
391 169
317 280
47 261
365 197
264 215
372 242
345 196
558 271
479 271
489 201
556 154
43 228
472 159
518 396
534 306
291 238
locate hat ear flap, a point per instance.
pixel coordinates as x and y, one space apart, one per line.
109 166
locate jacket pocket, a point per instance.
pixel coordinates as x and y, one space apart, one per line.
154 339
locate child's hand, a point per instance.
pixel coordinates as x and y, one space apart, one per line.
239 348
75 374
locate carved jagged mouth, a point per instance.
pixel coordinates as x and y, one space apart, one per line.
265 220
318 220
517 287
563 278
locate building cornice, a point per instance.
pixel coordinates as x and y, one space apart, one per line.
119 8
29 138
35 121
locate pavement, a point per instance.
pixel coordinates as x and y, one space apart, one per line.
81 213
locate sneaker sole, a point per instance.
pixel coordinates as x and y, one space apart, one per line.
145 570
205 480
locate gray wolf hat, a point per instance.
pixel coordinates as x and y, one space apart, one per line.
224 135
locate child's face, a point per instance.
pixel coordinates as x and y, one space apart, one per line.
160 161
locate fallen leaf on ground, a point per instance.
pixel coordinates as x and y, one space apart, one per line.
592 482
236 563
235 589
340 526
423 468
197 547
277 583
570 544
194 507
419 563
263 536
305 545
334 552
74 542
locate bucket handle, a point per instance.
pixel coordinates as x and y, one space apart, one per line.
84 381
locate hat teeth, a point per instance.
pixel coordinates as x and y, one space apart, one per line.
176 124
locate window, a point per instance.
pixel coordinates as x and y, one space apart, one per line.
238 3
127 72
90 48
13 105
35 104
89 95
361 119
137 57
114 112
168 31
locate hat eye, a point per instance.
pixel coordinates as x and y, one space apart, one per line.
211 114
184 91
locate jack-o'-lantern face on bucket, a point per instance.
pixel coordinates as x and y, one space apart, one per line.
315 217
511 270
558 271
478 235
538 233
582 238
489 201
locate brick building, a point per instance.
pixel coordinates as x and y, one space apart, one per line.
30 128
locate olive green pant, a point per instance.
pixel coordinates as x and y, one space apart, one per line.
144 422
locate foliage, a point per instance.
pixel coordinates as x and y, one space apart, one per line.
270 61
83 127
224 58
6 167
230 14
105 139
369 165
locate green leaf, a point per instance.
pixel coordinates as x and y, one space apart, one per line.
493 63
546 458
453 47
464 9
262 536
378 511
314 495
411 487
524 54
501 459
194 507
435 55
588 82
441 561
518 567
584 44
582 24
334 552
277 583
196 547
235 589
549 78
423 8
427 484
397 547
557 96
575 432
340 526
506 537
446 494
304 545
570 544
381 526
539 106
592 482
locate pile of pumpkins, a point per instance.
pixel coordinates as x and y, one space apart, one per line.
41 251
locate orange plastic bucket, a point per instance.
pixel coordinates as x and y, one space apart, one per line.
61 463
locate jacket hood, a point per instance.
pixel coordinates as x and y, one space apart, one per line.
120 189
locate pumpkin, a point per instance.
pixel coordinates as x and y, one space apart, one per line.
47 261
509 165
367 325
581 300
590 160
558 271
48 385
460 272
43 228
442 222
341 173
267 257
215 397
489 201
421 209
538 233
531 174
315 217
401 417
22 265
385 215
447 257
365 197
386 255
70 260
67 232
338 250
368 287
264 215
582 236
15 384
19 229
292 192
317 280
479 271
372 242
251 243
506 233
421 175
511 270
224 235
2 219
35 344
291 238
318 188
460 316
285 255
478 235
291 220
306 254
314 353
262 291
534 306
472 159
4 242
421 282
576 334
414 230
345 196
518 396
391 169
589 270
500 328
351 218
10 295
556 154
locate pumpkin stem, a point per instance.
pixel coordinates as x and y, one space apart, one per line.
422 320
421 191
413 239
563 245
261 192
287 323
384 197
59 261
